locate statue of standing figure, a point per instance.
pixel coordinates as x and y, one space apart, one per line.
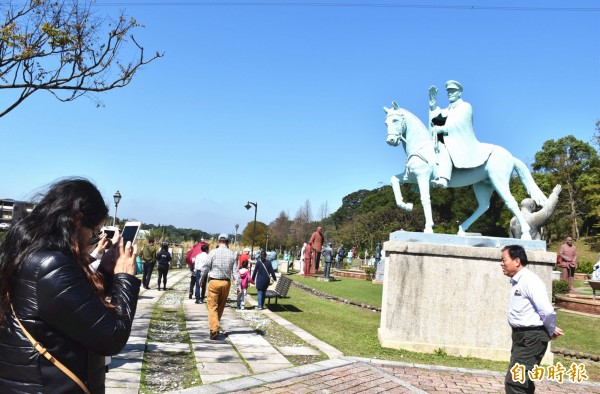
535 219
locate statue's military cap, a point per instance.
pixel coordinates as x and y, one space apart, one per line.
451 84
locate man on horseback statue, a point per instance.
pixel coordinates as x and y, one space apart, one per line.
487 168
454 127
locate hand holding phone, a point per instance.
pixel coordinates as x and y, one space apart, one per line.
126 261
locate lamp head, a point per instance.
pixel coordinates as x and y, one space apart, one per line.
117 197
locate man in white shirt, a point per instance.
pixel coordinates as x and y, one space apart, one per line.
199 262
531 316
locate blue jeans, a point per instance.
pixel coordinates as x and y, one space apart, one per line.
261 298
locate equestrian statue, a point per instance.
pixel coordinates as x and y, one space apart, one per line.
447 154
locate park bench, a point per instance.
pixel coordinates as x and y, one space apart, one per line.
281 289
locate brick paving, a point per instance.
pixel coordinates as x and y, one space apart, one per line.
366 377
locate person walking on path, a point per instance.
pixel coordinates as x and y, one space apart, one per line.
245 280
199 261
260 276
221 267
531 317
316 244
245 256
568 261
164 263
148 256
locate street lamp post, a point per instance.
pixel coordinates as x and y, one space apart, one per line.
235 239
267 244
117 198
248 206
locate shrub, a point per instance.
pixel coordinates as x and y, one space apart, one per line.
584 267
560 287
370 271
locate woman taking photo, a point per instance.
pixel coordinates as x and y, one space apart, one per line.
49 294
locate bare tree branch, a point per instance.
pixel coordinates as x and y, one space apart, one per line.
63 48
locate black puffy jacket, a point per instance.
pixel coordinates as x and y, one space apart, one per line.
57 305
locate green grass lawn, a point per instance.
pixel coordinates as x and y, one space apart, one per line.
353 330
581 333
351 289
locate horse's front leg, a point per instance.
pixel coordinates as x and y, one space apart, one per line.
398 194
423 179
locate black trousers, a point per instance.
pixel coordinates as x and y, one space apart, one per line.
528 349
192 281
147 273
162 274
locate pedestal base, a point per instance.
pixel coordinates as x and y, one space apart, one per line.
455 298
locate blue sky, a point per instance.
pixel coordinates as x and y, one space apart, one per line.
282 102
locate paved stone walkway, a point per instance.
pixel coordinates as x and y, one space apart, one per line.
244 362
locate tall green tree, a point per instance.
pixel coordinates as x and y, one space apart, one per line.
260 237
591 181
279 230
565 161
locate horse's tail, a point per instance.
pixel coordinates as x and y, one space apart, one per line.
532 188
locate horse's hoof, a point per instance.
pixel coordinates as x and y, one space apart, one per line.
440 182
409 206
461 232
526 236
428 230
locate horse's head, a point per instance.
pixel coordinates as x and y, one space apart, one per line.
396 124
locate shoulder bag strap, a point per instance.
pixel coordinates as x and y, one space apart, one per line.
44 352
265 268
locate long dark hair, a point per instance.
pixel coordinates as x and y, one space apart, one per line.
52 226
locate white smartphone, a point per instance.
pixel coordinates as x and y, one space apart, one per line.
109 231
130 232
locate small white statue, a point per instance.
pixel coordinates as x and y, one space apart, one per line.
535 219
596 272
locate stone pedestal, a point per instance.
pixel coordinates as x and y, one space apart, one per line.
283 266
437 295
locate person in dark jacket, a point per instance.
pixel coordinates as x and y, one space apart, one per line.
164 262
260 276
48 290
